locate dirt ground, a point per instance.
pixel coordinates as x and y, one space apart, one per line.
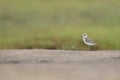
39 64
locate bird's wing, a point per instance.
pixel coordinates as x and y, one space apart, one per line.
89 40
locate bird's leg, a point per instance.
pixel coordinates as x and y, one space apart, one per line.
89 48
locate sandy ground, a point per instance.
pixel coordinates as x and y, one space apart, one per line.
39 64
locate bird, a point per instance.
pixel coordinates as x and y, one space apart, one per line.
88 41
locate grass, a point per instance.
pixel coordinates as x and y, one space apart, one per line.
58 24
59 38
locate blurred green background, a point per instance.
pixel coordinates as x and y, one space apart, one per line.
58 24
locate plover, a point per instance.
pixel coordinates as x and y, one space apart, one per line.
88 41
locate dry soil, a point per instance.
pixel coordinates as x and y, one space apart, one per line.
39 64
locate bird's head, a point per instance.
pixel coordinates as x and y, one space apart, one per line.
84 35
